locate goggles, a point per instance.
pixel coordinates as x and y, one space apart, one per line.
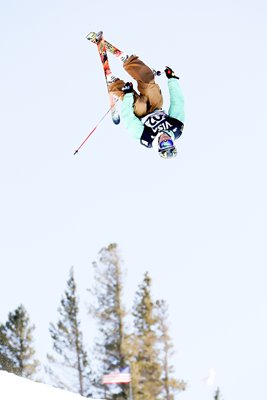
166 144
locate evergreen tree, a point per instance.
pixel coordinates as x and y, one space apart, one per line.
109 313
146 369
69 366
169 383
16 345
217 395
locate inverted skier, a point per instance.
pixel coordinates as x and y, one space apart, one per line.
142 112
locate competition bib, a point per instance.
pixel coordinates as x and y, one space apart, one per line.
157 121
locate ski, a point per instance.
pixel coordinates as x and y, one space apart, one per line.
93 37
121 55
102 50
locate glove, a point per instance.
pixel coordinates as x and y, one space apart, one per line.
127 88
170 73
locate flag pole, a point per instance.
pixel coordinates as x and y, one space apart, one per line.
130 391
130 387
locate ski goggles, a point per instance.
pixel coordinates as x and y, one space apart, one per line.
166 144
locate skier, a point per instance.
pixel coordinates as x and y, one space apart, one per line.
142 113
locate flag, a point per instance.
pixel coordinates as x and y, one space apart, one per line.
119 376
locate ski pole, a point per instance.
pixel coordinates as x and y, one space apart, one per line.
87 137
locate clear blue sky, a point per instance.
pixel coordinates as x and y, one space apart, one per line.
197 223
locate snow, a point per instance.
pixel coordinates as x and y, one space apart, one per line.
13 387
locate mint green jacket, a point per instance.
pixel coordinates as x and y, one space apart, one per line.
176 109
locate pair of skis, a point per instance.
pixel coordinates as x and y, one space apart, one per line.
103 46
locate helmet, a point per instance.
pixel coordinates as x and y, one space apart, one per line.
166 148
168 153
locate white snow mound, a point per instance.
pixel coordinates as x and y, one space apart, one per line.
13 387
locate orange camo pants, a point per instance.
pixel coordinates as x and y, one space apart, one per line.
150 97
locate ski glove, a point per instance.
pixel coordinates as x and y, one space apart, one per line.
127 88
170 73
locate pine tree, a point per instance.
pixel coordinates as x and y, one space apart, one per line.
217 395
169 383
146 369
109 313
16 345
69 366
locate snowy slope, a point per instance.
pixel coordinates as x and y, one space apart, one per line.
13 387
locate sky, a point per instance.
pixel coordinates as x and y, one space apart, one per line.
196 223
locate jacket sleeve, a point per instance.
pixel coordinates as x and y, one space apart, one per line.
131 122
176 109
